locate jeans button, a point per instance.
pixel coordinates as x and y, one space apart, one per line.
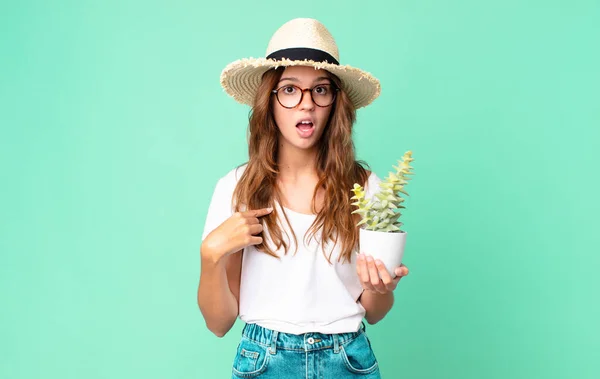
310 340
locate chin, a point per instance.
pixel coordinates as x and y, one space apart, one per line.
304 145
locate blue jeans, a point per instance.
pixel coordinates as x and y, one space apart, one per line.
266 354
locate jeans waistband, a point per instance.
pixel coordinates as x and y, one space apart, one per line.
300 342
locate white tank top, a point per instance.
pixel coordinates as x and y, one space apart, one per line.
300 292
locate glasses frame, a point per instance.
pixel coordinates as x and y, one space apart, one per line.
334 88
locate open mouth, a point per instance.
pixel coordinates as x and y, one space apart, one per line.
305 125
305 128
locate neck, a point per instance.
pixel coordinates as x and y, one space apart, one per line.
296 163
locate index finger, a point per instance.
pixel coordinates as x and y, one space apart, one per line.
258 212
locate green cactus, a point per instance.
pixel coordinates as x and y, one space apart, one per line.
379 212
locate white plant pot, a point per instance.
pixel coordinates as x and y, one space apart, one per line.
387 247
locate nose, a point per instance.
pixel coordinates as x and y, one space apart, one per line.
307 101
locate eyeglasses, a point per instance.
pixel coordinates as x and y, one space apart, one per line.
289 95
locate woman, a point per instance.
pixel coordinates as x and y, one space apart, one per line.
279 243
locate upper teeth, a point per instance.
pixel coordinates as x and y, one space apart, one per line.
305 122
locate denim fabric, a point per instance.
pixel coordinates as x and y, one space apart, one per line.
267 354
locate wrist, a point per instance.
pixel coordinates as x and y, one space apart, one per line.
211 256
210 264
376 295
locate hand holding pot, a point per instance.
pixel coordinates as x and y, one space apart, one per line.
375 277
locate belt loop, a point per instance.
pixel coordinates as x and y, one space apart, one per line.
336 344
273 348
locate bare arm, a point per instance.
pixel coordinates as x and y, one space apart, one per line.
218 292
376 305
221 264
378 296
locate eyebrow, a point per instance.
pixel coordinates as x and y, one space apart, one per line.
293 79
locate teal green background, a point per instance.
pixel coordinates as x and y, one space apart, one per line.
115 130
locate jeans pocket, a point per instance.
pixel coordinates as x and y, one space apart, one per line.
251 359
358 356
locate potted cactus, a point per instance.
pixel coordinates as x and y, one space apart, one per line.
380 234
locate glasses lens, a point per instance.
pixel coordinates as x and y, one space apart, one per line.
323 95
289 96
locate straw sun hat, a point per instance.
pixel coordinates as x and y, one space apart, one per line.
299 42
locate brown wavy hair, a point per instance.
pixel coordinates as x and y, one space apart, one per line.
337 171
